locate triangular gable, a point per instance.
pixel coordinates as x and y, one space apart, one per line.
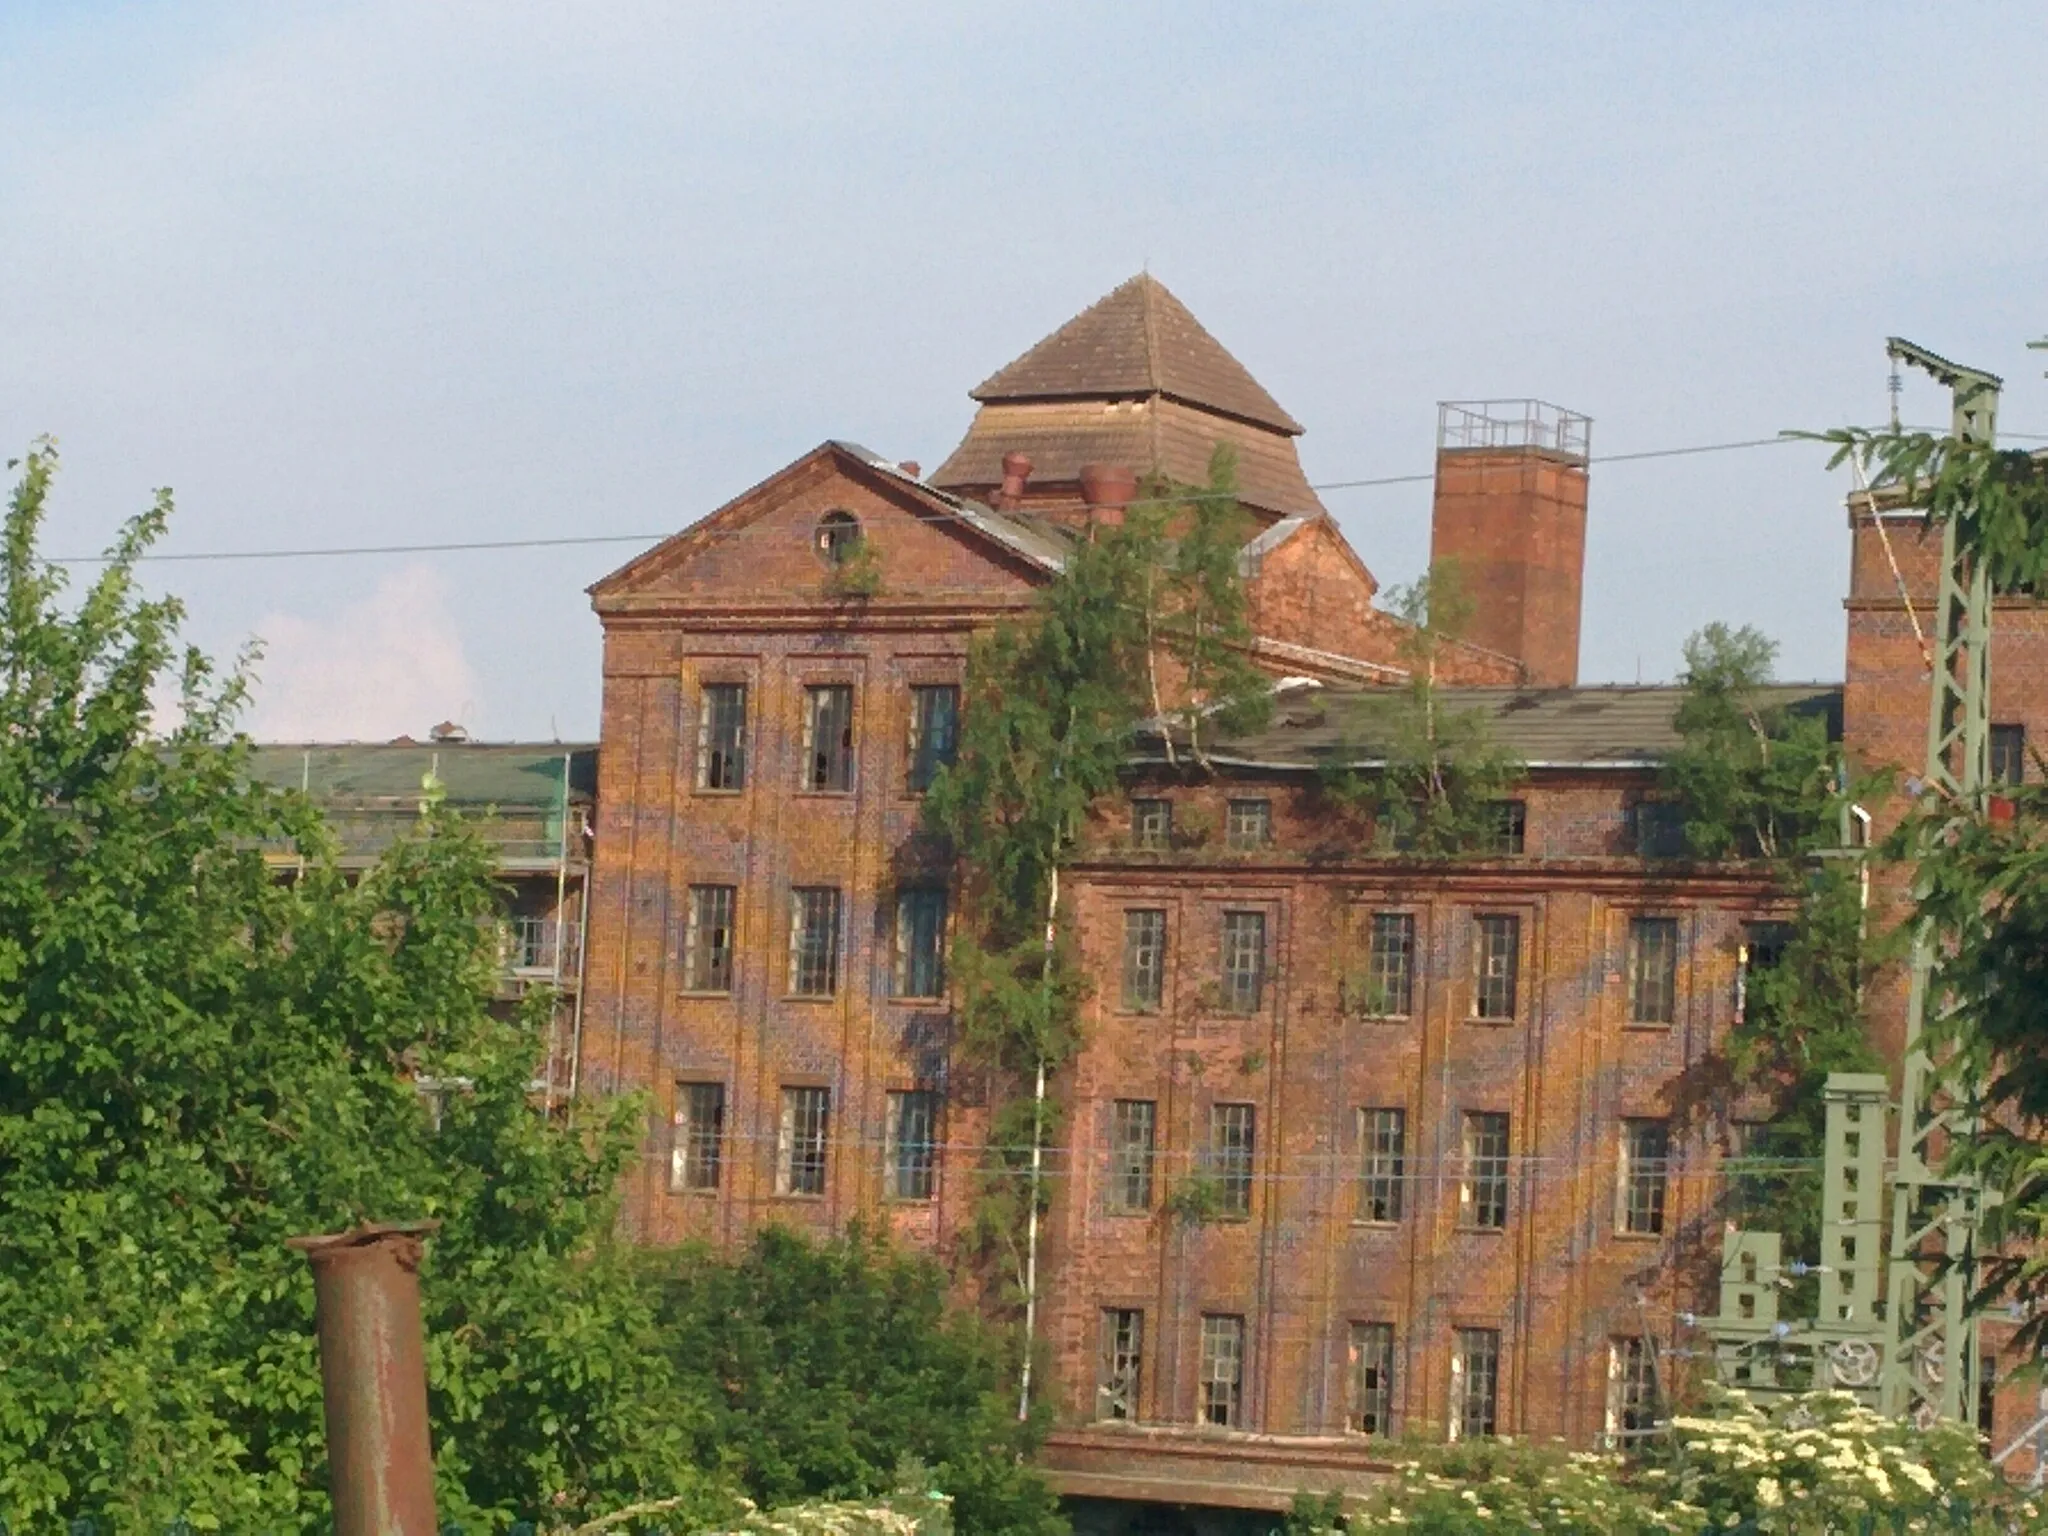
1011 554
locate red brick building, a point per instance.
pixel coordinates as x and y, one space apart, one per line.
1438 1104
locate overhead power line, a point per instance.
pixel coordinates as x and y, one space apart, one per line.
465 546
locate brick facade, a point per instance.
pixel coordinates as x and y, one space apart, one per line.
747 596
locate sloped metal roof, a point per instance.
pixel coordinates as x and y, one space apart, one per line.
1615 726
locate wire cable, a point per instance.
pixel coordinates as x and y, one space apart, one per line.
465 546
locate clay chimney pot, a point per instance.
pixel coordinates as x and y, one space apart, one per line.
1016 471
1108 489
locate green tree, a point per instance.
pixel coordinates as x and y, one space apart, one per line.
199 1059
1755 780
1437 789
832 1364
1052 709
1187 543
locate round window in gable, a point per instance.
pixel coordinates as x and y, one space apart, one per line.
838 537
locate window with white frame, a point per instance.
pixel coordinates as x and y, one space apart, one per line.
1483 1192
1652 970
921 941
934 732
1244 961
814 940
1370 1409
801 1141
1152 824
722 737
1390 959
911 1140
1222 1368
1496 965
699 1136
1230 1157
708 938
1133 1147
828 737
1121 1368
1383 1145
1475 1383
1144 958
1631 1391
1248 824
1645 1174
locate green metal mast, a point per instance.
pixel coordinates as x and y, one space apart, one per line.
1931 1365
1902 1337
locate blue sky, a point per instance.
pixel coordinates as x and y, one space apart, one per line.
395 273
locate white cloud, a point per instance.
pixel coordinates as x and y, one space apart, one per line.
388 665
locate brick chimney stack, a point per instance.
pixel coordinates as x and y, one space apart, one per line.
1510 516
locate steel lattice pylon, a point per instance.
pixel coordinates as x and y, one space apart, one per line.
1931 1363
1916 1354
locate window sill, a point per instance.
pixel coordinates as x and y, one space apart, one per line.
1470 1231
1390 1018
807 793
1127 1212
1649 1026
799 1198
1638 1237
915 999
709 793
705 992
810 997
1376 1224
1492 1023
693 1194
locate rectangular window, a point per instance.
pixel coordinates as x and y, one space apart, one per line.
1133 1147
1763 949
911 1148
814 940
699 1136
934 732
1508 831
1475 1383
1230 1157
707 939
828 737
1652 970
800 1145
921 942
1631 1391
1249 824
1496 966
1657 829
1144 959
1244 961
1645 1173
1390 974
1222 1370
1122 1367
722 737
1383 1145
1152 825
1371 1409
1483 1193
2008 754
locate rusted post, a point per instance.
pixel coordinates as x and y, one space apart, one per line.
373 1377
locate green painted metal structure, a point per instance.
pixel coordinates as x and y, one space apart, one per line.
1894 1325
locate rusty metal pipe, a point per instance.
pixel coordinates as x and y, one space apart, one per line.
373 1377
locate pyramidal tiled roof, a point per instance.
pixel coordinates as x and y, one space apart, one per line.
1139 340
